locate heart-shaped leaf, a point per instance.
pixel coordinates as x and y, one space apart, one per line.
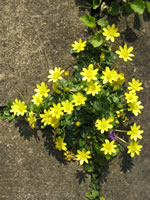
138 6
88 21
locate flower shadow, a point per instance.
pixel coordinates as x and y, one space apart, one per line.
81 175
46 137
126 162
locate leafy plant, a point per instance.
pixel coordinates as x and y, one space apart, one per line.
87 110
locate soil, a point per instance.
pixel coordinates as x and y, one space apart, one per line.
36 36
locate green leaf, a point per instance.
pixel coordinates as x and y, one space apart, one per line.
89 167
96 3
138 6
101 198
114 9
81 143
148 6
102 22
97 42
115 99
95 193
128 8
88 21
89 195
108 157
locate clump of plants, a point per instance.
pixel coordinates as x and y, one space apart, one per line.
115 7
88 107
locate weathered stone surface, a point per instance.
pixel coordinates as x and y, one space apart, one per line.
35 36
32 169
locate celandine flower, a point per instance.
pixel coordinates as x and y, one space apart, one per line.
60 144
135 107
135 133
135 85
111 32
47 119
131 97
90 73
42 89
37 99
83 156
31 119
79 46
69 155
108 147
67 106
56 110
112 135
134 148
18 107
116 84
55 74
93 88
79 99
103 125
109 75
125 53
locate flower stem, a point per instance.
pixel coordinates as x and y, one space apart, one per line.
122 131
121 139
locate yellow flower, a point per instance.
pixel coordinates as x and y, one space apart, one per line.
78 123
66 73
135 133
69 155
131 97
135 85
56 110
109 75
18 107
134 148
54 122
116 84
60 144
55 88
67 89
111 32
102 56
83 156
67 106
89 74
135 107
79 99
109 147
42 90
79 46
37 99
111 119
55 74
93 88
125 53
120 113
47 119
103 125
31 119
